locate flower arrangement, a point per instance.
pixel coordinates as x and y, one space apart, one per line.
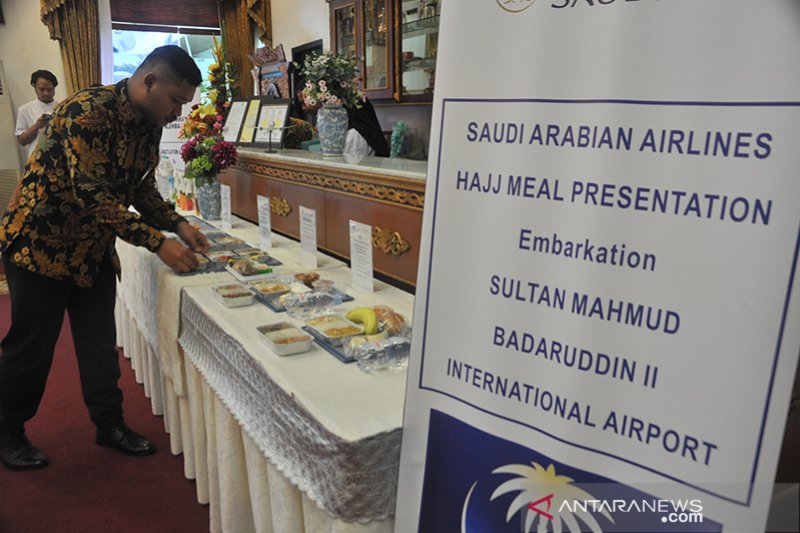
331 80
206 153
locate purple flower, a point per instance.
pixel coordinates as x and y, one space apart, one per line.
224 154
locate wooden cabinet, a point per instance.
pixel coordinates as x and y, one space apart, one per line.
418 45
396 42
388 199
364 28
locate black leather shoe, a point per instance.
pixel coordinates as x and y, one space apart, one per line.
17 453
125 440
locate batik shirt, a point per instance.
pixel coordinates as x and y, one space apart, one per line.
94 160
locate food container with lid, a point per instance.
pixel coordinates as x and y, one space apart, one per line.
285 339
233 294
220 256
271 287
249 251
335 328
248 269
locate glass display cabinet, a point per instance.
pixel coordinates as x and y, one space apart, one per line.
419 40
396 42
343 23
364 28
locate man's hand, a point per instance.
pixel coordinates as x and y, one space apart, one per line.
177 256
42 121
192 236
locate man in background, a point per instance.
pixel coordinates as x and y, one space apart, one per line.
34 116
95 159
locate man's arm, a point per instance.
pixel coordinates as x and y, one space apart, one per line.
148 202
27 129
89 166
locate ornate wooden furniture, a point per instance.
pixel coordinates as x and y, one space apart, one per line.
387 194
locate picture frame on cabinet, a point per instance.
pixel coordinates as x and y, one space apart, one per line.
274 81
247 132
272 123
231 129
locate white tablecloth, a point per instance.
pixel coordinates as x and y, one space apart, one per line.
298 443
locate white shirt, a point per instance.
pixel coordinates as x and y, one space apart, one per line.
29 113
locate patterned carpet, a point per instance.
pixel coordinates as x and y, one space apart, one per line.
3 284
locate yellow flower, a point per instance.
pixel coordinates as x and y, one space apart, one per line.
208 109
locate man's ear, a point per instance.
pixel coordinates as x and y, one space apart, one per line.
149 80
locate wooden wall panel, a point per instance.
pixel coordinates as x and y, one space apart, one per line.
171 13
245 188
296 196
339 194
340 209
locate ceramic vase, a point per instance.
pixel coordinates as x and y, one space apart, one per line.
332 126
209 201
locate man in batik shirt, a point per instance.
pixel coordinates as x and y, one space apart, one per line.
57 239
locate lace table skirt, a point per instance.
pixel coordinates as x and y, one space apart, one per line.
355 481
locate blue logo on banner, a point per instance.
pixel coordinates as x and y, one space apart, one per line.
476 482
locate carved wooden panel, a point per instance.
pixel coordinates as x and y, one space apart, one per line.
340 209
246 187
392 205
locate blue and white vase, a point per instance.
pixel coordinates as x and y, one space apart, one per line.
332 126
209 200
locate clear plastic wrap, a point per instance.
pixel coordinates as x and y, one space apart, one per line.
381 354
309 304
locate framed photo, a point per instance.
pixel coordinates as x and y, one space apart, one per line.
272 122
273 80
234 120
247 133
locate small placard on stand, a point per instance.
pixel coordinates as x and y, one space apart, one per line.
308 236
361 256
225 199
234 120
264 223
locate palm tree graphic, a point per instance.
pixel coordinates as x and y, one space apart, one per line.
532 483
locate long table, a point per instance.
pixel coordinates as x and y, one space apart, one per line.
283 444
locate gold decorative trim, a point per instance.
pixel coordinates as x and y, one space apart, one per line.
280 206
395 195
388 241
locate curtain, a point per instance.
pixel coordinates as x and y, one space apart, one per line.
240 20
73 23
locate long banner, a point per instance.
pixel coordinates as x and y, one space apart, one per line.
606 322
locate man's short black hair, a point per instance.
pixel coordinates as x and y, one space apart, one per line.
177 61
46 74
